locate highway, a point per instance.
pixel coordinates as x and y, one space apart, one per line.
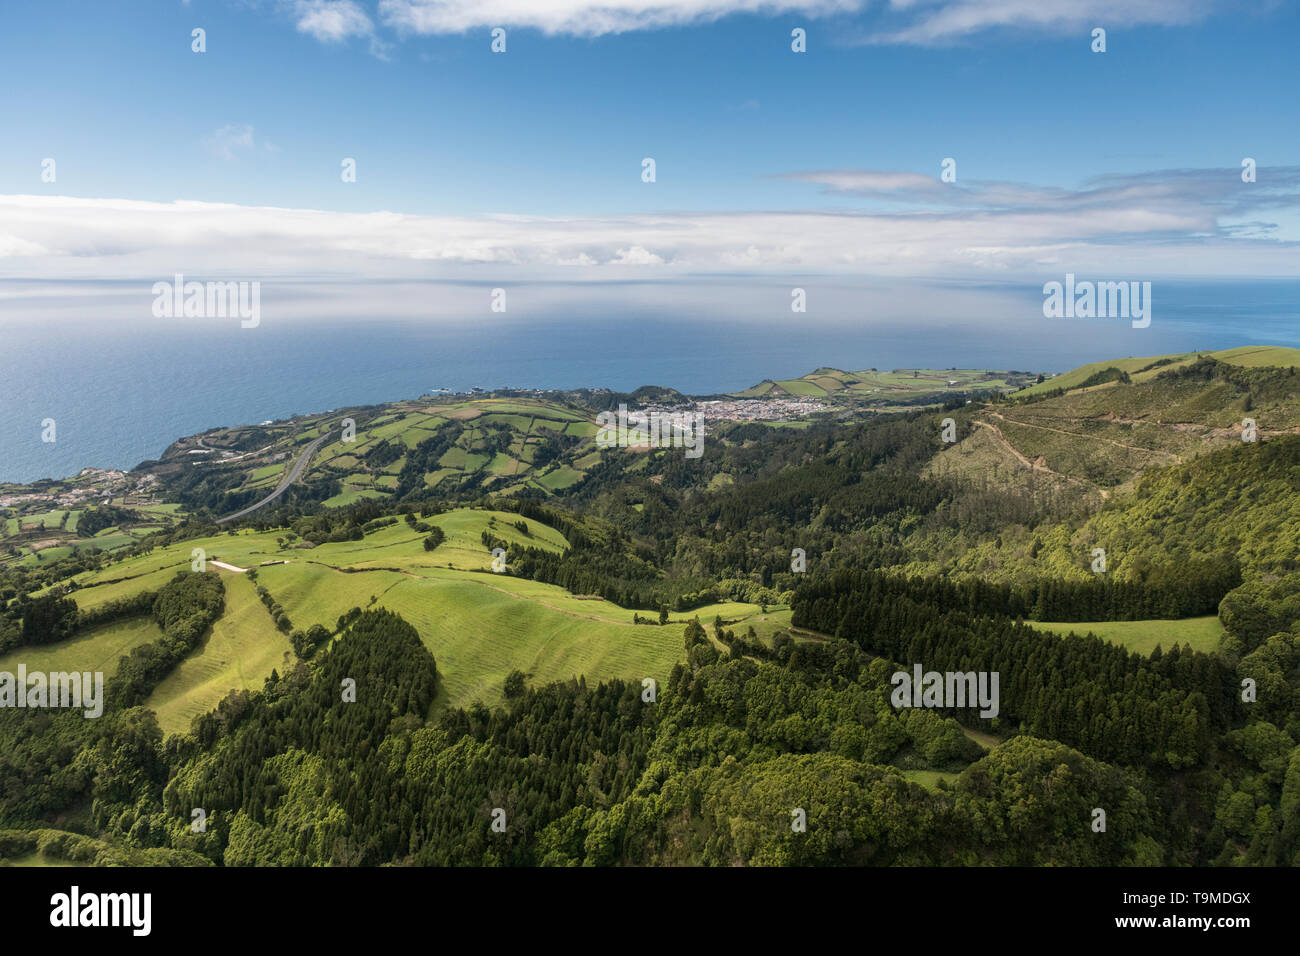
294 473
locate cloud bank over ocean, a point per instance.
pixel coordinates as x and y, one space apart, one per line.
1171 223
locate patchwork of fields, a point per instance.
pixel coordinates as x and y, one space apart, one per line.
497 443
33 537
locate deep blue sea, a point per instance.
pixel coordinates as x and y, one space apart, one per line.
121 392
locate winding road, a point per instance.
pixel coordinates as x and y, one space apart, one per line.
294 473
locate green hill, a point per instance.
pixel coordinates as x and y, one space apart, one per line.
1103 436
895 386
479 626
1143 368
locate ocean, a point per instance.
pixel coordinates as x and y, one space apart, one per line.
121 392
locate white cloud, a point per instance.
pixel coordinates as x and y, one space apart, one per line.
636 256
1209 197
335 22
228 141
332 21
1180 222
587 17
871 181
13 247
900 21
948 20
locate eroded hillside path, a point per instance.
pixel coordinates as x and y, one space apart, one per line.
1033 467
1061 431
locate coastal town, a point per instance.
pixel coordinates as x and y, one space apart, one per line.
760 410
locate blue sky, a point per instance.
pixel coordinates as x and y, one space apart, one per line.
1064 157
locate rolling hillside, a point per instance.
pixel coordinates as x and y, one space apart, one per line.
479 626
1104 431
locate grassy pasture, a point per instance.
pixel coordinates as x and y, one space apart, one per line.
480 631
267 471
106 542
95 650
929 778
560 478
318 594
92 597
1253 356
1202 633
757 391
242 649
46 555
50 519
351 496
804 387
481 626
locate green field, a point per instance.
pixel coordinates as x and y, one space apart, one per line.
98 649
242 649
52 520
47 555
267 471
799 386
929 778
480 628
149 580
560 478
1202 633
106 542
351 496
